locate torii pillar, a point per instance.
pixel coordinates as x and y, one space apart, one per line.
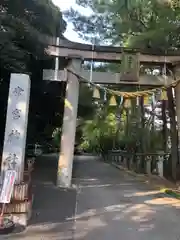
66 156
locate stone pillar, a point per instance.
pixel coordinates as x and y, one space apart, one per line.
66 156
148 165
160 166
16 125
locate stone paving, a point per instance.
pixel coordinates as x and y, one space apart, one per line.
115 205
108 204
51 208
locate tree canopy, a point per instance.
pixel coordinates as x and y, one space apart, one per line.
131 23
151 24
22 24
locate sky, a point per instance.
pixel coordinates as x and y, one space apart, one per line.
65 5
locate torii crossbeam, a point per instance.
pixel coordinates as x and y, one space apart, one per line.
67 49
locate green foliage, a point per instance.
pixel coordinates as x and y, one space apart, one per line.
138 23
87 108
56 137
22 25
99 133
135 136
151 24
105 132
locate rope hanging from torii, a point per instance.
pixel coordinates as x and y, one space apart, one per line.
114 94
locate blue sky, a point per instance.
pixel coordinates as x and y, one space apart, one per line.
64 5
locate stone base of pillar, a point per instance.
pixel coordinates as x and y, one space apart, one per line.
63 178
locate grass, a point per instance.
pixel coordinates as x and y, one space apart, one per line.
172 193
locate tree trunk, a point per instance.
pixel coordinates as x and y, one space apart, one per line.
174 134
143 141
164 129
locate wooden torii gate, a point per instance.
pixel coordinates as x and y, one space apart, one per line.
77 53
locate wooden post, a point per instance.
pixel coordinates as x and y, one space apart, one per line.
66 156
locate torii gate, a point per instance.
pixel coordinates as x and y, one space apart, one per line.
77 53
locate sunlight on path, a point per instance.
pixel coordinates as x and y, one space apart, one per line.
108 205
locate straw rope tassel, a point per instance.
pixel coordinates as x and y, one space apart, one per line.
96 93
164 95
112 101
146 100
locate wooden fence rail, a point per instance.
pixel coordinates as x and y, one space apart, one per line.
149 163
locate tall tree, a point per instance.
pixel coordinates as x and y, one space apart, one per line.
137 23
22 24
